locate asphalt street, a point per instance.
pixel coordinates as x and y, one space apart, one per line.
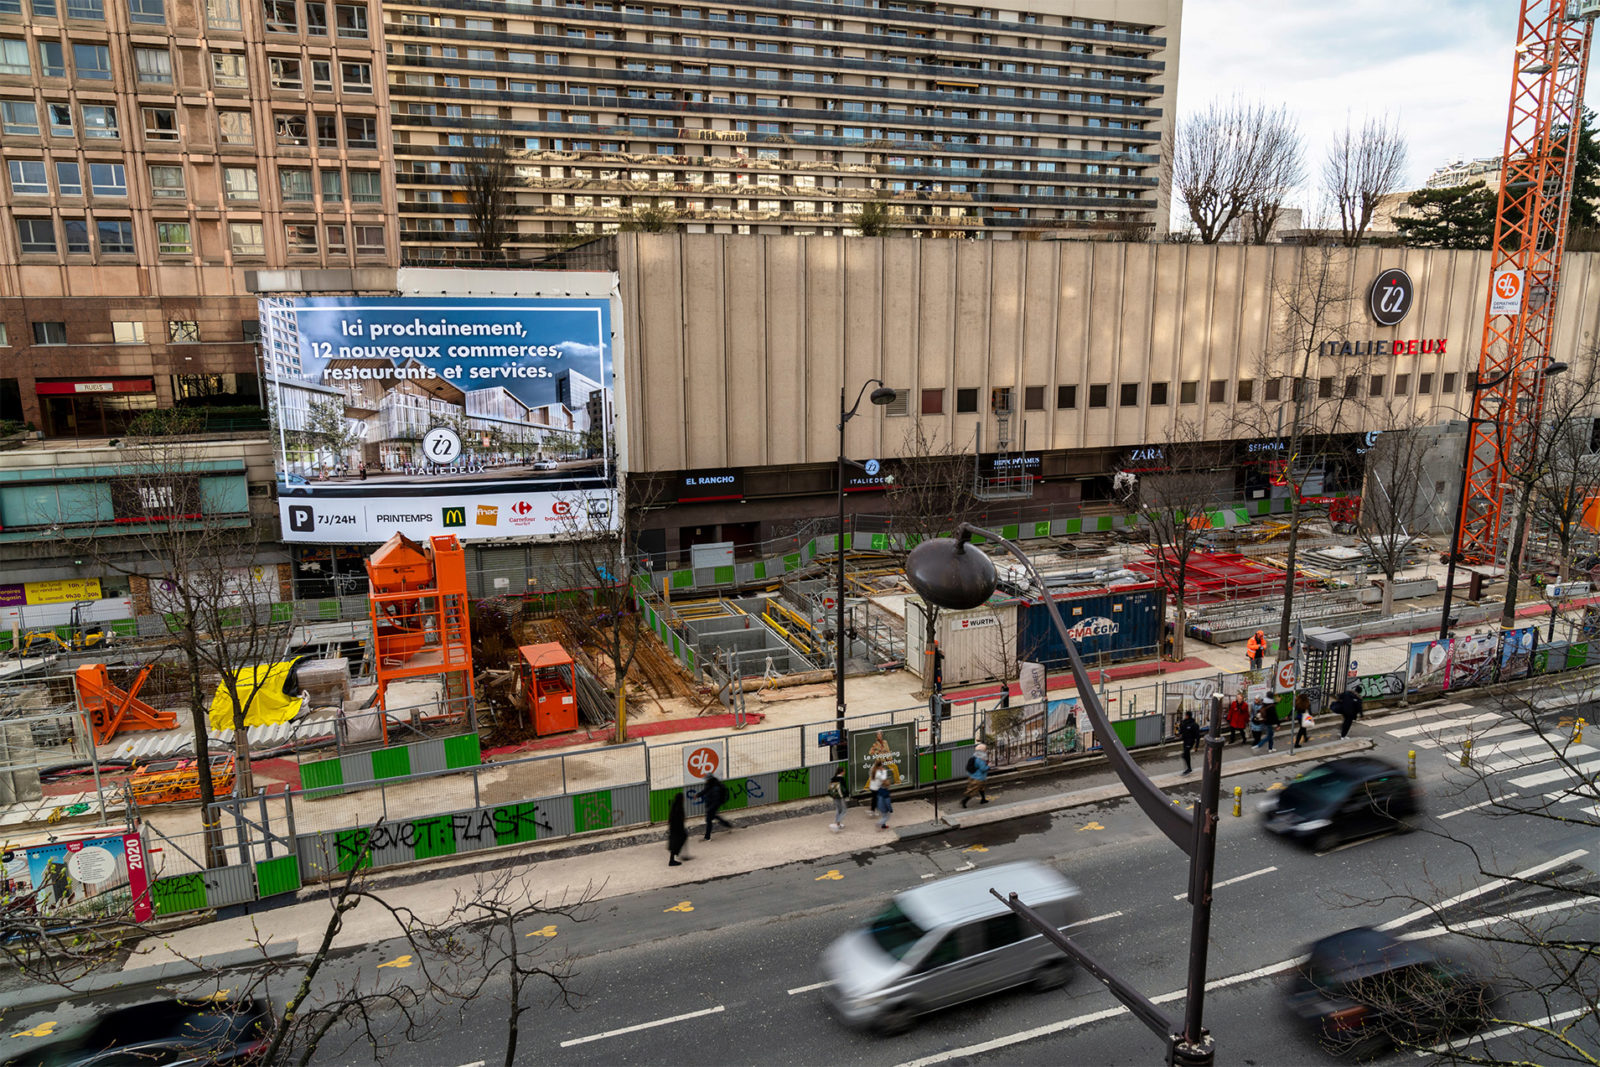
725 971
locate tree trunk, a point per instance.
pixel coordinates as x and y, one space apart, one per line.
200 720
1388 595
1508 613
1178 630
1287 621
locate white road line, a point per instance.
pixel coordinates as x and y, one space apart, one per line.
1479 804
1095 919
1230 881
474 1063
1583 770
1443 724
1487 887
641 1026
1500 748
1548 1020
1529 760
797 990
1455 737
1490 920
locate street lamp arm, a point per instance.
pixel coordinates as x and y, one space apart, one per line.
846 416
1177 825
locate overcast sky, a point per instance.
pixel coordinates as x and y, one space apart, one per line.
1441 67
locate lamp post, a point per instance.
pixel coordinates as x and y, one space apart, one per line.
1461 499
954 574
880 396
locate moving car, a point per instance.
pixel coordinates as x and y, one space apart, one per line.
949 941
168 1032
544 465
1361 989
1340 800
291 484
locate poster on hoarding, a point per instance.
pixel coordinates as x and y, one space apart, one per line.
100 877
478 416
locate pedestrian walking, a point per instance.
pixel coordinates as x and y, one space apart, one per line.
1348 705
881 803
1189 734
977 776
677 833
713 795
836 790
1302 720
1268 717
1238 719
1256 648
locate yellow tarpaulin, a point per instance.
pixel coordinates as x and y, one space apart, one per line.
260 694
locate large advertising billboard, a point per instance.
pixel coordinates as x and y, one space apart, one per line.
480 416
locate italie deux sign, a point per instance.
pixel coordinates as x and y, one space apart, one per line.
1389 300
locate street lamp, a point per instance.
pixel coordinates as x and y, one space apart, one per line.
880 396
1461 500
953 574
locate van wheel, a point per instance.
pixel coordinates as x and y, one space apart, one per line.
1052 975
896 1019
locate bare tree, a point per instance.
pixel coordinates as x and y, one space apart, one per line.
1233 157
1392 503
933 490
490 183
1361 168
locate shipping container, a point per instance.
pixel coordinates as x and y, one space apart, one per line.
978 645
1108 625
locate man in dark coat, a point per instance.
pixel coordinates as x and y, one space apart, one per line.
677 832
1189 734
713 795
1348 705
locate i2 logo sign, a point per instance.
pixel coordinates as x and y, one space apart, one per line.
441 446
1390 297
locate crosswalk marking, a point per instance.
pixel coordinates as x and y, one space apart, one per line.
1468 720
1531 759
1454 738
1584 769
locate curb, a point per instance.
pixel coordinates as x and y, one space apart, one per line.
162 973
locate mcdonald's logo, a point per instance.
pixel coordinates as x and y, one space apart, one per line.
455 516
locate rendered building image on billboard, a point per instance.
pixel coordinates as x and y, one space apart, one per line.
480 416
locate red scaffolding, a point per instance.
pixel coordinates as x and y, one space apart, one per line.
1212 577
419 614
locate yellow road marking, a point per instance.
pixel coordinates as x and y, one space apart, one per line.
1090 826
44 1029
399 961
548 931
682 905
831 876
976 848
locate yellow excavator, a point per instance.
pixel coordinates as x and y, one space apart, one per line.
83 636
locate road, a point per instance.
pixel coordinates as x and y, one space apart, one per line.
724 971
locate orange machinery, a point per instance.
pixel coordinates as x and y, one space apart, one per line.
111 709
549 685
172 780
418 605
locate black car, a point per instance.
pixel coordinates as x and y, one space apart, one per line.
167 1032
1362 990
1342 799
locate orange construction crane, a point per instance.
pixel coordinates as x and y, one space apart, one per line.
1530 235
111 709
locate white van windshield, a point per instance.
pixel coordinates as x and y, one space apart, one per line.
895 933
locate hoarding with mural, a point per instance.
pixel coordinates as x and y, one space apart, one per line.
91 877
487 412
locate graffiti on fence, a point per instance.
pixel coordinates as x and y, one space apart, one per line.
443 834
1378 686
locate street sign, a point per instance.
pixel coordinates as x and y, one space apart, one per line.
703 758
829 737
1284 676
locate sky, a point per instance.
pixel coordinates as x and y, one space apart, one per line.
1442 68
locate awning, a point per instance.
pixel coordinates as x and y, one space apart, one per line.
95 385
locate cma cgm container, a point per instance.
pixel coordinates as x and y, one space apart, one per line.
1120 623
976 644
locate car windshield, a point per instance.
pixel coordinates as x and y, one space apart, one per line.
1317 788
894 932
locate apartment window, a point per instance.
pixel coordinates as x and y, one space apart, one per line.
28 177
228 72
1402 384
1325 388
153 11
365 187
279 16
966 401
1128 394
302 238
1099 395
160 123
235 127
52 59
49 333
152 66
322 75
108 179
1158 394
183 331
332 186
239 183
1033 398
337 245
76 232
1352 384
18 116
223 14
1188 392
1245 391
166 183
93 62
285 73
933 401
327 130
245 239
1066 396
294 183
356 77
69 179
1376 388
370 241
1274 388
173 239
290 128
60 116
1425 384
116 236
351 19
127 333
13 56
86 9
316 18
1472 381
1218 393
360 131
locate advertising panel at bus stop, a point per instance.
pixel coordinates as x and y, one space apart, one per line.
889 747
482 416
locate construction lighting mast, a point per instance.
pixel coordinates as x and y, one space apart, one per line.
1530 235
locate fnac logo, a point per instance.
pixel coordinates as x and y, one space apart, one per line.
455 516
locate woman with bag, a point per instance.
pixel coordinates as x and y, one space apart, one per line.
881 803
836 790
1303 720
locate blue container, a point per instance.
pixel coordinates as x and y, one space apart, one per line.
1119 624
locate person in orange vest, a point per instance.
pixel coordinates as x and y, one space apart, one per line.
1255 648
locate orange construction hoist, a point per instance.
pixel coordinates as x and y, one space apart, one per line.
549 688
111 709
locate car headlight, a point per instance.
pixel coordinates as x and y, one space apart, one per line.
1313 824
1267 807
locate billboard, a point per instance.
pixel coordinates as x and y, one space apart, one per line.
475 415
96 877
